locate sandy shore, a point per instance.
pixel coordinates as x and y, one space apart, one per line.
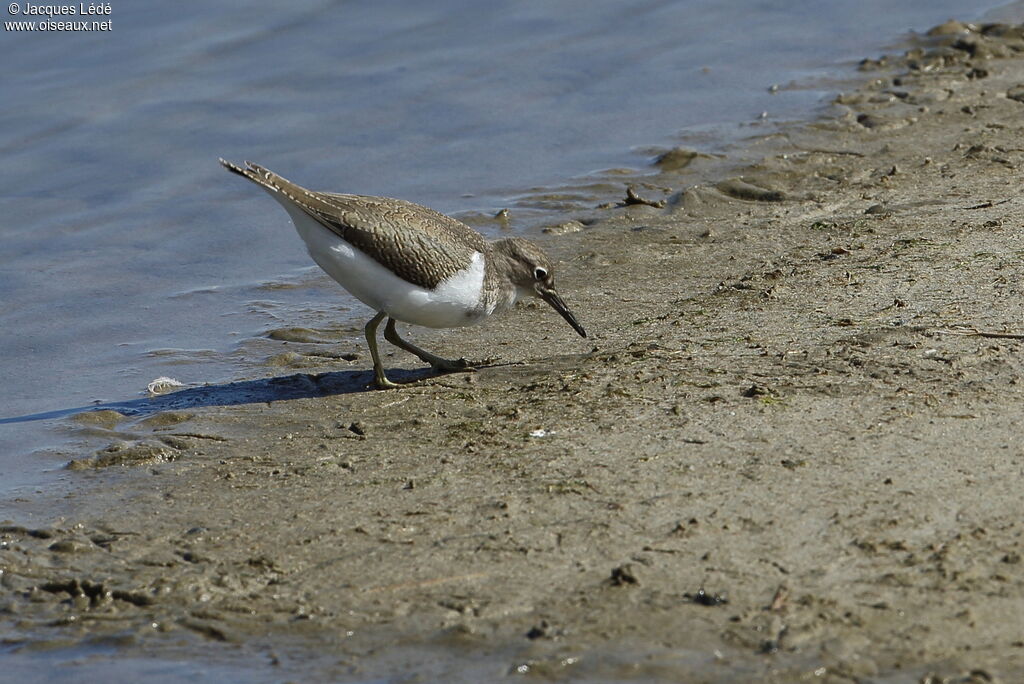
791 450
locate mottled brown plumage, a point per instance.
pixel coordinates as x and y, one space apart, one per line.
437 248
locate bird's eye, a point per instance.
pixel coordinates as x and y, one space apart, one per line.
540 273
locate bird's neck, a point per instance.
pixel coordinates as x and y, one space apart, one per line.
499 293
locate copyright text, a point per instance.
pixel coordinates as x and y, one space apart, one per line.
90 14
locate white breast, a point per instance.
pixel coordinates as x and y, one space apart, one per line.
453 303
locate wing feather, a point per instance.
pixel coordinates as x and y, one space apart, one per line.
416 243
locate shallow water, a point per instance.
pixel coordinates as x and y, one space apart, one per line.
90 666
130 254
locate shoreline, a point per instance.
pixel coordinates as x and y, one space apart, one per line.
791 373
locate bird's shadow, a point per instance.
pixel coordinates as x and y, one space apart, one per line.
266 390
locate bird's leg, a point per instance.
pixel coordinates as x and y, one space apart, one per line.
439 364
380 379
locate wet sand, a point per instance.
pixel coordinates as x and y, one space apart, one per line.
790 452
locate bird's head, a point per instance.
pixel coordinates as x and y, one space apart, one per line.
532 274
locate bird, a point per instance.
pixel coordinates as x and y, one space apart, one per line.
412 264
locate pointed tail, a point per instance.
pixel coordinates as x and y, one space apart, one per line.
279 185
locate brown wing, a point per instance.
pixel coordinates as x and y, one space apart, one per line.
415 243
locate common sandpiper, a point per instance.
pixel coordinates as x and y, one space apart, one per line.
411 264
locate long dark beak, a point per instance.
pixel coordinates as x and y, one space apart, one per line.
552 298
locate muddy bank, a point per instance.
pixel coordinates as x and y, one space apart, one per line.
790 450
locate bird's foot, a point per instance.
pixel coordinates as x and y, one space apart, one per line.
452 366
380 381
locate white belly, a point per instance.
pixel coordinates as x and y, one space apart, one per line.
454 303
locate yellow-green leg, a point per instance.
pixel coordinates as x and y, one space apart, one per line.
380 379
438 364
